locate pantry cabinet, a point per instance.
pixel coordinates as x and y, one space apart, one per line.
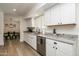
55 48
60 14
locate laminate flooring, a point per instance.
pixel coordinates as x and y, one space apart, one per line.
17 48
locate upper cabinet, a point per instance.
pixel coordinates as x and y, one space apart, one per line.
43 21
60 14
47 17
40 21
55 14
68 13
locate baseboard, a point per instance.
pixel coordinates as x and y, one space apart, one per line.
31 47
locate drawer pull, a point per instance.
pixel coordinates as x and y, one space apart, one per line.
53 47
55 43
56 48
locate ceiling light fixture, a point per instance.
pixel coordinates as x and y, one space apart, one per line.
14 9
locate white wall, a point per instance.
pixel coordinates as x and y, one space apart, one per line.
22 28
1 28
19 21
15 20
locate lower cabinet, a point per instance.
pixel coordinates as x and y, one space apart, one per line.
55 48
31 40
50 50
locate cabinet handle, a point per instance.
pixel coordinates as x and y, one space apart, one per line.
53 47
56 48
55 43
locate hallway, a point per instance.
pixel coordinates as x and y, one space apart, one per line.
16 48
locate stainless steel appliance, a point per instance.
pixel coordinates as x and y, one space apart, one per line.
41 45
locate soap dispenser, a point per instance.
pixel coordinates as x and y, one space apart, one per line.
54 31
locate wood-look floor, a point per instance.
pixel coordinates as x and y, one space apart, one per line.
17 48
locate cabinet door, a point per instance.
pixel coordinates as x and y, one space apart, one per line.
33 41
56 14
50 50
26 37
38 22
64 49
47 17
68 13
43 21
29 39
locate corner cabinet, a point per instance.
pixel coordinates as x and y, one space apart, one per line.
55 48
59 14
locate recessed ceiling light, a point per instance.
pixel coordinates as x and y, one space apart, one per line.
14 9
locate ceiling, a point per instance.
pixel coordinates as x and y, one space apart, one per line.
21 8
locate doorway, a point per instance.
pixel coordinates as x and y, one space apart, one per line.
11 28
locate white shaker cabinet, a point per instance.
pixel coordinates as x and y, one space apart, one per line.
47 16
33 41
60 14
50 51
30 39
26 38
55 48
68 13
38 22
43 21
55 14
63 49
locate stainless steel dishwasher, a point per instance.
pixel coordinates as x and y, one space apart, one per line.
41 45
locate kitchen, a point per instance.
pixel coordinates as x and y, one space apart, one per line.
50 29
56 29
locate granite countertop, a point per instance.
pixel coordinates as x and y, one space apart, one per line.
66 38
31 33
